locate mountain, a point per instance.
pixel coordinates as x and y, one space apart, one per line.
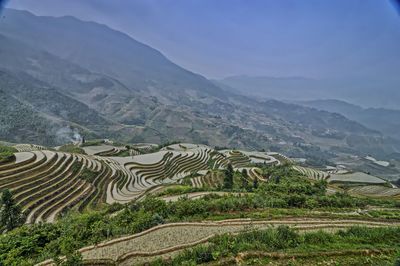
103 50
384 120
101 82
364 92
33 111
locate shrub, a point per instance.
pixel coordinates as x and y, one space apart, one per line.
318 238
88 175
6 153
286 237
203 254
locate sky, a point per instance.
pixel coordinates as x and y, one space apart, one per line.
314 38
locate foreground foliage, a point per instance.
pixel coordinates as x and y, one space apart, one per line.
33 243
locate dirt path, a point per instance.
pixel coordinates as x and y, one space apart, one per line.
169 238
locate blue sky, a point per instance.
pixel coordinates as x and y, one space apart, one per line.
314 38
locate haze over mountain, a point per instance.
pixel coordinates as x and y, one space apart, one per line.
385 120
341 49
130 91
264 38
367 91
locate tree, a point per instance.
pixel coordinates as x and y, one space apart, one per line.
68 246
255 183
228 179
10 213
245 176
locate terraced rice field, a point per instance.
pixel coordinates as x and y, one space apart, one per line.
357 177
148 171
312 173
48 183
238 159
29 147
376 191
280 157
103 150
220 160
144 147
255 173
261 157
185 147
169 238
337 171
212 179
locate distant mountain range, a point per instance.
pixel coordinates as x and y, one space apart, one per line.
364 92
59 75
384 120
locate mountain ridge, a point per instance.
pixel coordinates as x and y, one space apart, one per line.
174 105
364 92
385 120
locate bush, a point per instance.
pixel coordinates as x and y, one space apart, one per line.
88 175
318 238
286 238
7 153
203 254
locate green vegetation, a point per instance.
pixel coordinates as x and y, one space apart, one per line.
88 175
287 240
71 148
10 212
228 178
245 181
34 243
6 153
29 244
85 173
